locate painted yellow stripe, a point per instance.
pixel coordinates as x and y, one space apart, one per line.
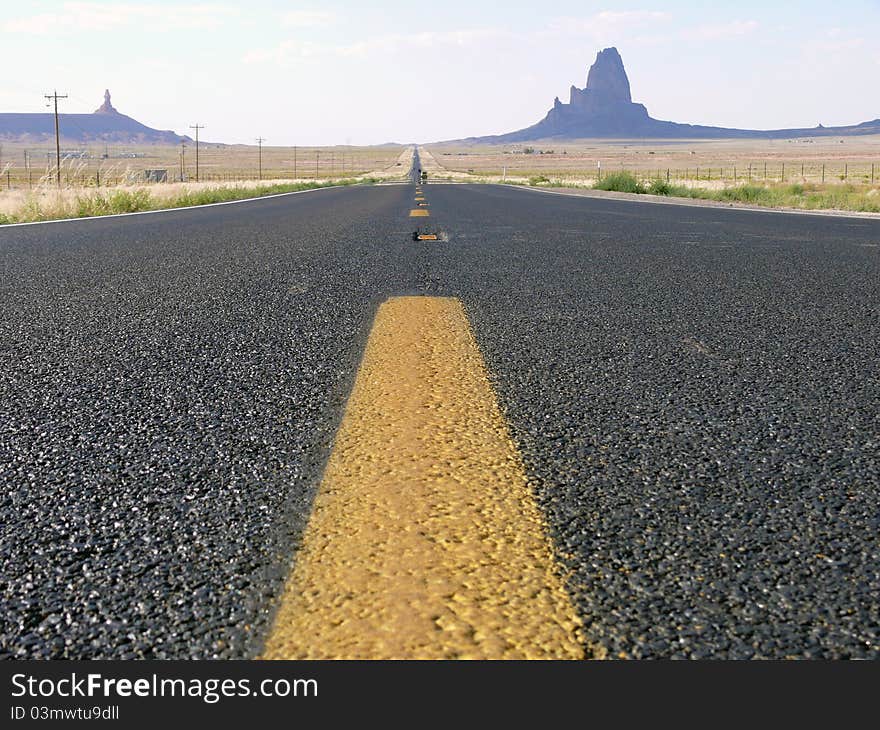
425 541
417 212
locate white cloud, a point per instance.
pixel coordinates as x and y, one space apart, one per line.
602 26
606 21
285 53
723 30
835 41
629 17
307 18
76 17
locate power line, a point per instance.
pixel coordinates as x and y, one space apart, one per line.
197 127
55 96
260 141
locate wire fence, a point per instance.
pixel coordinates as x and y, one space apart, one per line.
761 172
18 179
79 173
96 172
735 173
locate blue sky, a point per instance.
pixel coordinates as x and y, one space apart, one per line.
335 72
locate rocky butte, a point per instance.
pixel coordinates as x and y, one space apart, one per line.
604 108
106 124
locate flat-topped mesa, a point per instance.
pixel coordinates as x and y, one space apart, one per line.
105 125
106 107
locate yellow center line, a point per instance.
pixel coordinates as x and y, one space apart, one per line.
416 212
425 540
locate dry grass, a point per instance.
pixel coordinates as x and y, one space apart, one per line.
216 163
803 196
87 202
706 163
43 200
714 170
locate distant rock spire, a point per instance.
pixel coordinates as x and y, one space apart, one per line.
106 107
608 77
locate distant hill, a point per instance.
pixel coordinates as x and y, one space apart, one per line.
105 124
604 108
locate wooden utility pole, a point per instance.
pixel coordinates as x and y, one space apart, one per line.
197 127
260 141
55 96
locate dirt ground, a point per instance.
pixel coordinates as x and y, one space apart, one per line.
701 161
43 192
24 166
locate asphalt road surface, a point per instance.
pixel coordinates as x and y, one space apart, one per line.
694 392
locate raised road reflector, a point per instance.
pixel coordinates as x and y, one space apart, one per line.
426 237
425 541
417 212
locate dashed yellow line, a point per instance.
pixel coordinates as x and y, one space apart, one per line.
425 540
418 212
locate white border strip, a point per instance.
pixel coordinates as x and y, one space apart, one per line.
172 210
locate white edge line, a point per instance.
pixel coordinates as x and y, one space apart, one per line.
684 202
172 210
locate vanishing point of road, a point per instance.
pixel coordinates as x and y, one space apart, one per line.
556 427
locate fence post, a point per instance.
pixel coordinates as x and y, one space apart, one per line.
783 172
872 173
750 172
823 172
845 170
765 171
734 174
